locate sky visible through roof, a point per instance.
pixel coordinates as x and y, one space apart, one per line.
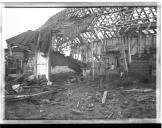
19 20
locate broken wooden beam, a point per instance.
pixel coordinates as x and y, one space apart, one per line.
139 90
22 97
82 42
104 97
27 87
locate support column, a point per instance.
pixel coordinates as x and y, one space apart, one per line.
35 64
140 43
49 65
152 40
86 55
92 61
129 49
78 53
49 59
36 56
145 46
124 55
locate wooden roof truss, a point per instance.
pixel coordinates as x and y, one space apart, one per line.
110 22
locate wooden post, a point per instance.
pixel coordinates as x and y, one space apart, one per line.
49 58
78 53
21 61
81 55
48 65
140 43
124 55
144 42
35 64
152 40
86 55
36 56
129 50
92 61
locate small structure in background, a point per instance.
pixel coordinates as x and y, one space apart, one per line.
14 64
20 62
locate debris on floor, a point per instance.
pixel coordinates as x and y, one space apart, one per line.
82 101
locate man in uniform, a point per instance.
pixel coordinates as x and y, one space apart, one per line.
102 73
121 69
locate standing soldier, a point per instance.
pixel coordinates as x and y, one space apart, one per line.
121 68
102 73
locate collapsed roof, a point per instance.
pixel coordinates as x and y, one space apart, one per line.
74 26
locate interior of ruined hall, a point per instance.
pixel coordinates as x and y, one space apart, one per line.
85 63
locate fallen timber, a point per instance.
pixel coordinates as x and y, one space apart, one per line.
30 96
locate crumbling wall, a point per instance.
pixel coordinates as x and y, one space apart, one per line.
42 64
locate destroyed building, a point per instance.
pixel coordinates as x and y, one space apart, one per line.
65 57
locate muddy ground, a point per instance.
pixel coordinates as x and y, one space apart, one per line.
126 99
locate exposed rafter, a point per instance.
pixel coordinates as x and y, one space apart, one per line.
110 22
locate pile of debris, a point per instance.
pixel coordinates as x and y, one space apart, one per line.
27 87
80 100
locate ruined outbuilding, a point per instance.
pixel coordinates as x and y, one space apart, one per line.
68 51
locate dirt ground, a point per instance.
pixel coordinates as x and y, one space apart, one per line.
82 100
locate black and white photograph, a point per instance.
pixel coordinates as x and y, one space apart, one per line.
81 62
